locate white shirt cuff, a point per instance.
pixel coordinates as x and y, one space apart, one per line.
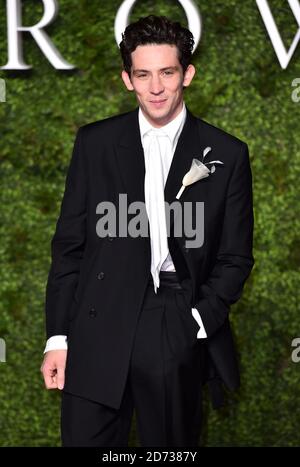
201 333
56 343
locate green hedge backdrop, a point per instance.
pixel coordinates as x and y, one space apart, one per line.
240 87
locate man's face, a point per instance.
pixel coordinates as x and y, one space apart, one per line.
157 79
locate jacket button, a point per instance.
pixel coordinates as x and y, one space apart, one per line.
186 249
93 313
100 275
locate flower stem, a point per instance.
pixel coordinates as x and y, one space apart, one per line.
180 192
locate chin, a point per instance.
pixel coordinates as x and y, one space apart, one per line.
157 114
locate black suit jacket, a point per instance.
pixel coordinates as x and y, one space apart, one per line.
96 285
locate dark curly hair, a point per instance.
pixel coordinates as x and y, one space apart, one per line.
156 30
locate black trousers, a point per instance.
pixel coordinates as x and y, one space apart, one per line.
164 383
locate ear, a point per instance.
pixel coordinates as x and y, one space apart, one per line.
189 74
126 80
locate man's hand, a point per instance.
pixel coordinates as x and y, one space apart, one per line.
53 368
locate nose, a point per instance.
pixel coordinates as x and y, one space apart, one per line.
156 86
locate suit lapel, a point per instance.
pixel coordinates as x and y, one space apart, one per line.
187 148
130 157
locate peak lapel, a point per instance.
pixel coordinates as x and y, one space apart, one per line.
130 158
188 147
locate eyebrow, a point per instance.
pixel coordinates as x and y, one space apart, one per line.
161 69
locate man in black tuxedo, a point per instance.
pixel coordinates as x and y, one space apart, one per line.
141 321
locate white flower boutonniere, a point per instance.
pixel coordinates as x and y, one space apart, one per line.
197 171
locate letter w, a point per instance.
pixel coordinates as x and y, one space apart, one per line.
283 56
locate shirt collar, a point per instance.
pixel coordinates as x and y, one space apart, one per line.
173 128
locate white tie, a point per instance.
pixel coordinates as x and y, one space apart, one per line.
154 200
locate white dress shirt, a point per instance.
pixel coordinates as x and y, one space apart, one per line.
167 148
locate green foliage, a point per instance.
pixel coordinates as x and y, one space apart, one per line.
240 87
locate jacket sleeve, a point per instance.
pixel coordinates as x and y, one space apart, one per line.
234 259
68 243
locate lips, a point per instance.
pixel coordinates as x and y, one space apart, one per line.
158 104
